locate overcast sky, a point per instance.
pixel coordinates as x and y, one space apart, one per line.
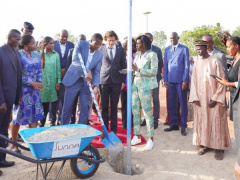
91 16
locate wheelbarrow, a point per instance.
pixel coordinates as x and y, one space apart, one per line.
84 158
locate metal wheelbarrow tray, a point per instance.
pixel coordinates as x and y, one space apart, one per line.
84 158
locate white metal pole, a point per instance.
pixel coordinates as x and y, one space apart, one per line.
129 92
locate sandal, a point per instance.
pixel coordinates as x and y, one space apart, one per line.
202 151
17 151
219 154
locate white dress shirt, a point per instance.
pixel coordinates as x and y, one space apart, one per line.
175 47
62 48
113 51
90 55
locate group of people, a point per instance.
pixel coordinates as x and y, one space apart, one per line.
46 77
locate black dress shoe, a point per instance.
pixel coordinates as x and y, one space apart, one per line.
184 132
4 163
143 123
171 128
0 172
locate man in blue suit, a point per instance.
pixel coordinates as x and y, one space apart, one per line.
74 80
176 78
10 86
62 47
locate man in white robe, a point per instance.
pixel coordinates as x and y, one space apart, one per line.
208 96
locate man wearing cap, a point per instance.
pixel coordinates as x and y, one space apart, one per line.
216 53
208 98
176 78
27 28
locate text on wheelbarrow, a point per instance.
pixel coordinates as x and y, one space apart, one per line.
66 148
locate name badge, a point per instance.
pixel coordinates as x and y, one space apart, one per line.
66 148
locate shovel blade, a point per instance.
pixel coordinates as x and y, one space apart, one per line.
110 139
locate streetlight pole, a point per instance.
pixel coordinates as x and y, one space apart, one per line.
147 13
129 94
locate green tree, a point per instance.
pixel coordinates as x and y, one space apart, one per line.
160 39
188 38
72 38
236 32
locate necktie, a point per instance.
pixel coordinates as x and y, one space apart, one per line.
111 54
174 49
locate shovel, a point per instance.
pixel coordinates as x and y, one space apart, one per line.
111 138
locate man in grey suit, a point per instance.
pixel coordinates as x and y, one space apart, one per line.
10 85
111 81
155 94
212 51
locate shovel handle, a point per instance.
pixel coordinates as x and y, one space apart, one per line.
91 90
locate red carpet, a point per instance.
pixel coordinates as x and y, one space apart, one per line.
121 133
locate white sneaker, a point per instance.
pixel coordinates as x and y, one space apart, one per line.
149 145
135 140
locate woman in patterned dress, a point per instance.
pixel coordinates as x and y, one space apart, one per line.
30 111
145 68
51 75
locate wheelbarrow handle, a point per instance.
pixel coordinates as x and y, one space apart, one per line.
26 158
13 142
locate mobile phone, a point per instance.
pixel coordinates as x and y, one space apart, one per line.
215 77
123 71
230 58
221 34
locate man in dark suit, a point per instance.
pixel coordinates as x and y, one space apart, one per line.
62 47
176 78
10 85
111 81
155 93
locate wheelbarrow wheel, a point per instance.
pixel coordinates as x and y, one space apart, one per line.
83 168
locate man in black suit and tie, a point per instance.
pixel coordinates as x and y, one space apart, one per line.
111 81
10 85
62 47
155 93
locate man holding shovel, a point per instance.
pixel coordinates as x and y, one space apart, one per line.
74 78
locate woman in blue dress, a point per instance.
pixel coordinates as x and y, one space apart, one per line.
30 111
